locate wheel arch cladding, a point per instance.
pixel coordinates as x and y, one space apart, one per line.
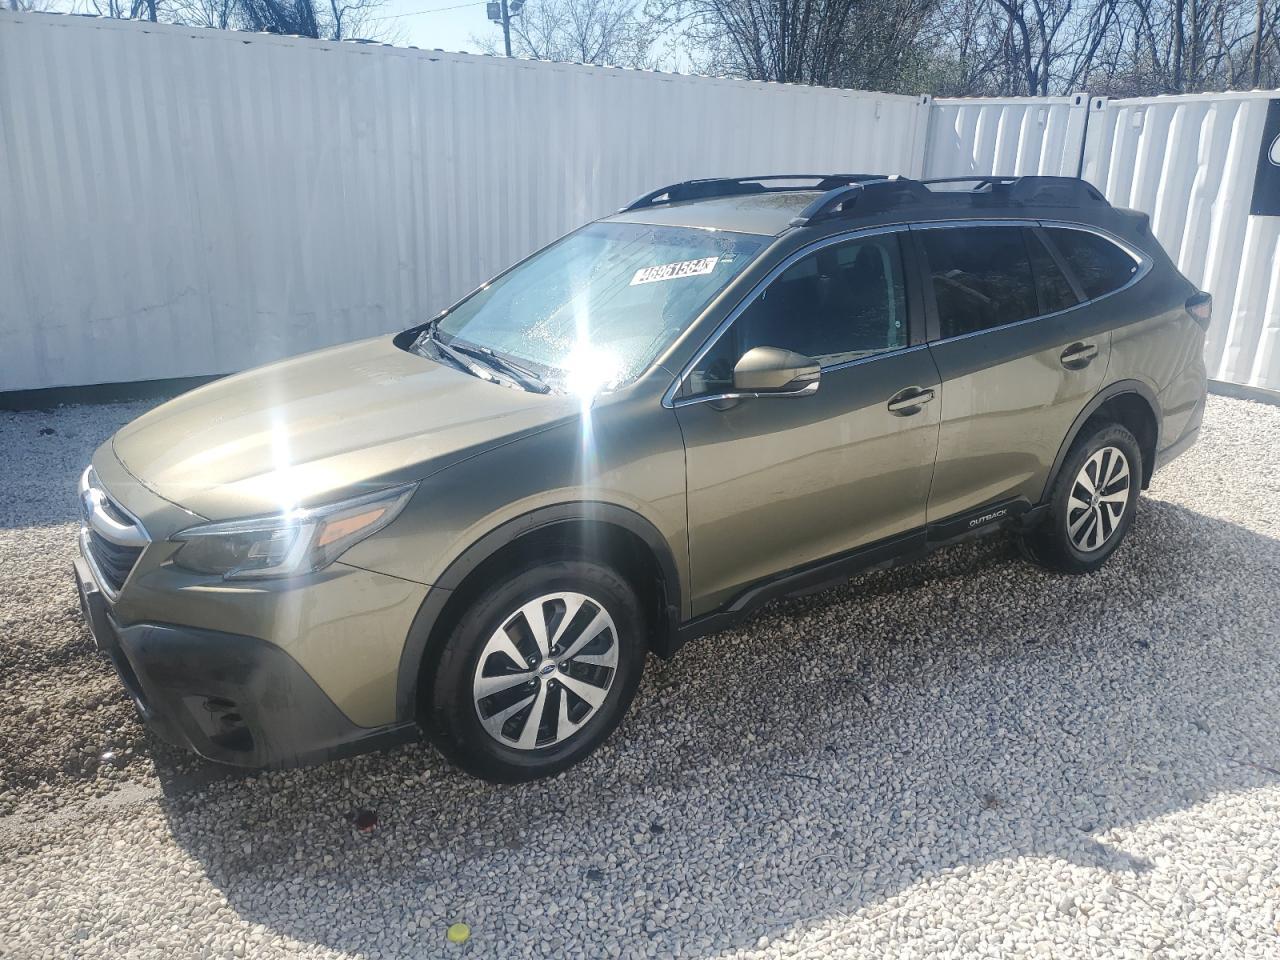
607 533
1131 403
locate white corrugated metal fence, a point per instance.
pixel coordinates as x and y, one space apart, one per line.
1010 137
177 201
1189 162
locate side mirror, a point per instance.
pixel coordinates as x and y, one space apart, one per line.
772 371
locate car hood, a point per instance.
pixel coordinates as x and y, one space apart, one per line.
321 426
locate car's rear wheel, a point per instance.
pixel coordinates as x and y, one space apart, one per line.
1092 503
538 671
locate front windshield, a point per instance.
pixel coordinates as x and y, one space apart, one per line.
593 310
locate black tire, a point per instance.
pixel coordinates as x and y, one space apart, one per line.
455 724
1050 543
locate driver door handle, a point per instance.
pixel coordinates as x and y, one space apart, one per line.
906 402
1078 355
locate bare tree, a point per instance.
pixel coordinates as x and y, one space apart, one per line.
126 9
965 58
789 41
611 32
1259 41
219 14
862 43
358 19
950 47
325 19
888 46
1118 47
292 17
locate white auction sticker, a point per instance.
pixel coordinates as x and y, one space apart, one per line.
674 271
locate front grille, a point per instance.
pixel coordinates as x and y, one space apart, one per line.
114 562
112 538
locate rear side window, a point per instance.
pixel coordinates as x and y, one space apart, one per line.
1051 283
1099 265
981 277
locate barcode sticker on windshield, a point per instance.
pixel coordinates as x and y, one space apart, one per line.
674 271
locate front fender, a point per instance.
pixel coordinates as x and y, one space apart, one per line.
620 464
422 630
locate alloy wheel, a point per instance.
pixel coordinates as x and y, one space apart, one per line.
1098 499
546 671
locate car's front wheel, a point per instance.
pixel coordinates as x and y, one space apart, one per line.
1092 503
538 671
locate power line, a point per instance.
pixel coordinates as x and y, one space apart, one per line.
415 13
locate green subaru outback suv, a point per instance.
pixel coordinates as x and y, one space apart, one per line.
731 390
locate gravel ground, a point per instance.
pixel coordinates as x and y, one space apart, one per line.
962 757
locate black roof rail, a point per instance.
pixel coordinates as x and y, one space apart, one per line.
869 196
979 182
1040 190
737 186
1056 191
865 193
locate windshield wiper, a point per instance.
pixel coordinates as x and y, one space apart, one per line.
462 360
480 362
523 375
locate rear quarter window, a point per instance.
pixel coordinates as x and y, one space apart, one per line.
1099 265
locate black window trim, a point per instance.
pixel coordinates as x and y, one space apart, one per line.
930 302
1056 256
911 271
1136 255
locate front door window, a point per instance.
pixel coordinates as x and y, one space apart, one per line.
841 303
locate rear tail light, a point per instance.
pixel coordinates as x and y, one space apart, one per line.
1200 306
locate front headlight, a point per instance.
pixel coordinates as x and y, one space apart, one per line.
287 544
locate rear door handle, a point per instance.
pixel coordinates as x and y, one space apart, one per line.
906 402
1078 355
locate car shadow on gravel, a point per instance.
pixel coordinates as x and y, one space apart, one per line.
831 753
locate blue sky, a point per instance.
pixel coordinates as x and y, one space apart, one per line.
440 24
454 24
430 24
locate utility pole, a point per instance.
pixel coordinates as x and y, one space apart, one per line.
501 11
1259 35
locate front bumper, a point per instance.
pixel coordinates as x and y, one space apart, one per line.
230 698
